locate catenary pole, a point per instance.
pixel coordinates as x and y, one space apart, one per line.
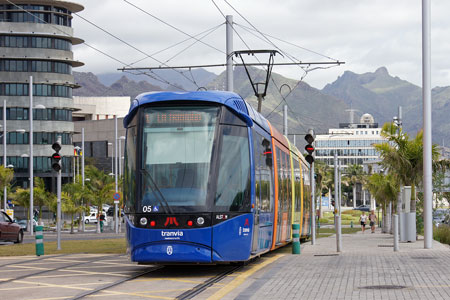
116 206
5 196
229 41
82 172
30 162
427 155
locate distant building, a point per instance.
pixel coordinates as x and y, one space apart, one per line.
96 116
100 108
353 142
36 39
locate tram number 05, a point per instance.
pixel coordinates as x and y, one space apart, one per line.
147 208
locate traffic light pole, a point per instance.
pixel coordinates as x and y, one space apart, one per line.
58 211
313 206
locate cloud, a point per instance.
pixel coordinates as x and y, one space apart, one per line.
365 34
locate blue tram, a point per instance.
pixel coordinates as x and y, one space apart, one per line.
207 179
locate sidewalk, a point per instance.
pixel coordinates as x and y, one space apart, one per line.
367 268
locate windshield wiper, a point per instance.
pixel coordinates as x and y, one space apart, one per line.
157 192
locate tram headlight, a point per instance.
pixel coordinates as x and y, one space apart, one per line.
200 221
143 221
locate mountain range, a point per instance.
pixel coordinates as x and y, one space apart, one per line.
377 93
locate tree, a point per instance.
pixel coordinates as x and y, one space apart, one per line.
6 176
101 187
403 157
320 170
75 193
354 175
40 195
385 189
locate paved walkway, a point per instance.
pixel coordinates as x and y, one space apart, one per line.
367 268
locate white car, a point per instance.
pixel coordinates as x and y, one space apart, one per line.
91 218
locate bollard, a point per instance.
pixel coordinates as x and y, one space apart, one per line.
295 238
39 240
396 248
351 224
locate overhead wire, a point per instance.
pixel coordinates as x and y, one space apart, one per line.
85 43
66 34
171 26
130 45
292 58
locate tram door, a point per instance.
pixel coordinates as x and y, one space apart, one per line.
262 223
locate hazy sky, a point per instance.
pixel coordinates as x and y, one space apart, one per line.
365 34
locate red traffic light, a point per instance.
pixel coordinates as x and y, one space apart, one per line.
309 149
56 156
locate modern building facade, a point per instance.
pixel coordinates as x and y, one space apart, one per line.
96 116
353 142
36 39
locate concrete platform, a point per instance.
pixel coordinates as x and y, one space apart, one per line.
367 268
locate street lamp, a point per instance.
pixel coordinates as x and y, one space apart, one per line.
39 106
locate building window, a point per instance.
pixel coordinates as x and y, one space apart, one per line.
35 14
46 90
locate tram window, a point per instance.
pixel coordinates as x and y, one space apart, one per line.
177 145
233 182
231 118
130 170
263 172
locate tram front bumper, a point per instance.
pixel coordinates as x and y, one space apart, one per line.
171 252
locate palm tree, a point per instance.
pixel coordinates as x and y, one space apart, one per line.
21 197
101 187
320 169
354 175
404 157
75 193
385 189
6 176
70 206
40 195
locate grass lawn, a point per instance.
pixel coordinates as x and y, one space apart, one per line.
114 246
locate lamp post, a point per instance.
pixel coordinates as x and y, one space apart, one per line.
31 151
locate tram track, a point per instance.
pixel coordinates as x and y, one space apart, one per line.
55 269
208 283
32 260
113 284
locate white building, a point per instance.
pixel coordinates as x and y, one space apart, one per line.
353 142
100 108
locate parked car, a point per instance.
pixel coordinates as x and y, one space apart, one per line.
363 208
91 218
9 230
440 216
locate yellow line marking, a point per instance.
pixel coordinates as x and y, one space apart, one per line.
241 278
53 285
93 273
31 268
42 286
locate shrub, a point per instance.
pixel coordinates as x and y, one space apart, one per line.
346 217
323 220
442 234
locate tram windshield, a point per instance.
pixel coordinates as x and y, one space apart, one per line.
176 156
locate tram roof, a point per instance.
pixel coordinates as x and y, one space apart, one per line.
229 99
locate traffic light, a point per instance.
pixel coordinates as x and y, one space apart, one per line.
309 137
56 157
